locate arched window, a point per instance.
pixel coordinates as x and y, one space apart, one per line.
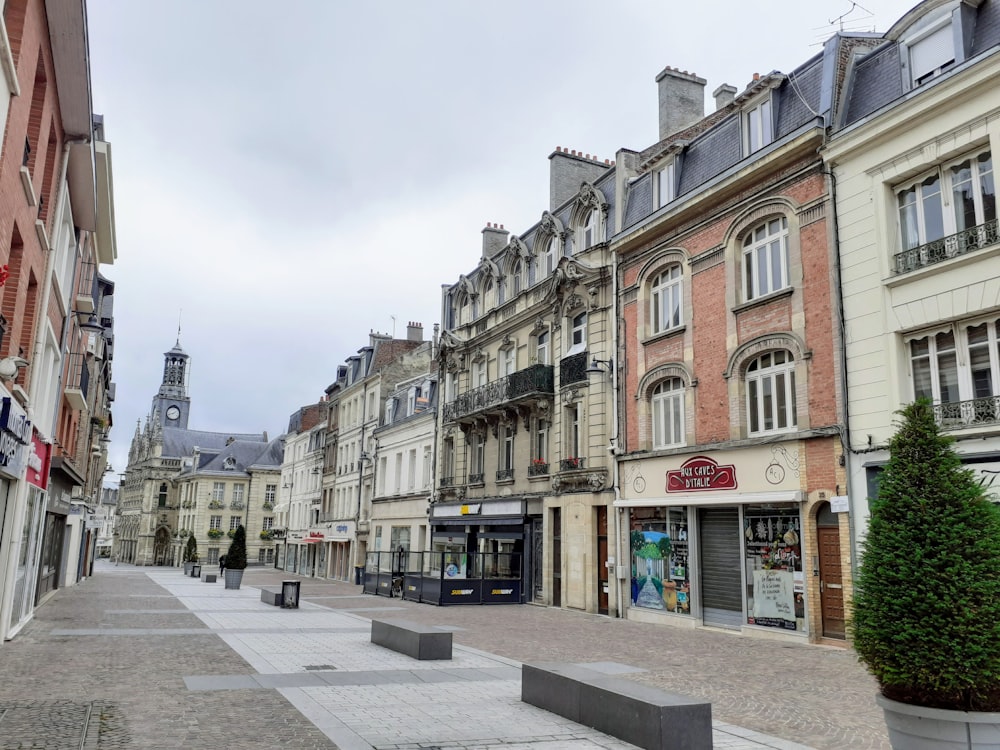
551 254
591 225
668 413
666 300
488 295
463 310
765 258
770 386
516 278
577 334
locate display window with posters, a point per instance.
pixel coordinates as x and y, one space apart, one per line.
658 552
775 586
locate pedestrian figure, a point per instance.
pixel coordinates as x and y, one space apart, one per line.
222 564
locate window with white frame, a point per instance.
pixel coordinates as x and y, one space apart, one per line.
479 374
758 126
488 298
541 441
668 413
770 389
551 254
967 184
270 493
765 258
591 227
542 348
477 457
931 53
507 449
239 490
960 363
267 523
425 477
666 298
411 470
448 459
665 185
577 334
215 522
508 361
219 491
572 446
235 522
517 278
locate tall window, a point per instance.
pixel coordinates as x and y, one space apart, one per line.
162 497
542 348
508 361
425 479
238 491
516 280
448 461
479 374
958 364
578 334
759 132
551 254
540 449
921 204
267 523
765 258
668 413
270 493
591 224
488 298
665 184
507 449
219 491
235 522
477 461
411 470
665 310
572 415
770 382
215 522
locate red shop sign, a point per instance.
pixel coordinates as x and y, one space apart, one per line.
701 474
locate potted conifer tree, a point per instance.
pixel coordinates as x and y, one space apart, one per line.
236 559
926 614
190 554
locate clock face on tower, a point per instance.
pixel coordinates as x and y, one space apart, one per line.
173 413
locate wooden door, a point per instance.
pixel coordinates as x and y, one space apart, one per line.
556 558
602 557
831 586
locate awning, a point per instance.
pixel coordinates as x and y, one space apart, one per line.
478 521
311 541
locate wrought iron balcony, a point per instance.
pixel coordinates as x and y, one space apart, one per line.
476 478
966 241
530 382
956 415
505 474
447 481
538 468
573 369
571 464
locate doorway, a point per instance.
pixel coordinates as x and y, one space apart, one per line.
831 584
556 557
720 548
602 556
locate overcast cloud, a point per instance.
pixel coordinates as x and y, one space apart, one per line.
290 176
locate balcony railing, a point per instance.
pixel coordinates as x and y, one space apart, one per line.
505 474
571 464
447 481
476 478
573 369
951 246
538 468
531 381
958 414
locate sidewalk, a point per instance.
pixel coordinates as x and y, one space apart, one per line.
146 657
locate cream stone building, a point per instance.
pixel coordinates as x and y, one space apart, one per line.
526 431
919 246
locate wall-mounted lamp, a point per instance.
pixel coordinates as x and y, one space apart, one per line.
598 365
10 365
91 324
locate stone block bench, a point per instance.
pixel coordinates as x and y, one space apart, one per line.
208 577
642 715
413 639
271 596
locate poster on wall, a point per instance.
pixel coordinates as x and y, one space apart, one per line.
774 599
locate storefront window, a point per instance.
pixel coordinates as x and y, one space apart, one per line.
449 555
659 557
775 586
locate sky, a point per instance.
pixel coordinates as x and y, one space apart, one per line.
289 177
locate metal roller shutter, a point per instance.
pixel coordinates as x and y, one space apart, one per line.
721 598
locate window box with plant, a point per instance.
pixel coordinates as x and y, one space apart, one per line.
215 533
538 467
268 506
231 533
267 535
216 504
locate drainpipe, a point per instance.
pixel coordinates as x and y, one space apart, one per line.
615 441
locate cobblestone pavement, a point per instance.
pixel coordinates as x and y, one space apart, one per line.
145 658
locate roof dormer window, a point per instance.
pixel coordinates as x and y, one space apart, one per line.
665 185
757 126
931 52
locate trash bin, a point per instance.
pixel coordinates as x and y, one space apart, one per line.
290 594
359 572
196 571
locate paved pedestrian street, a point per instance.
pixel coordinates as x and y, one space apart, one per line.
149 658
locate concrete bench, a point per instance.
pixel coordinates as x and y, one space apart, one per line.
423 642
271 596
642 715
208 578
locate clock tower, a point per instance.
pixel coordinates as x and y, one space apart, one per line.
171 404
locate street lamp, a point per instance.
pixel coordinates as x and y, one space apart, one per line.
598 365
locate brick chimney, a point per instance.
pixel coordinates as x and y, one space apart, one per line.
414 331
682 100
494 239
570 169
724 96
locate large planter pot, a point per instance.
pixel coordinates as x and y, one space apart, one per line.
187 568
919 728
233 578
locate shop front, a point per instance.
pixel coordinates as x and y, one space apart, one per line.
15 434
718 539
338 563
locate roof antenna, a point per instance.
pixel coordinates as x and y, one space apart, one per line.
843 16
179 313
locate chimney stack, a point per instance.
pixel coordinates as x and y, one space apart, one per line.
414 331
570 169
494 239
682 100
724 96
